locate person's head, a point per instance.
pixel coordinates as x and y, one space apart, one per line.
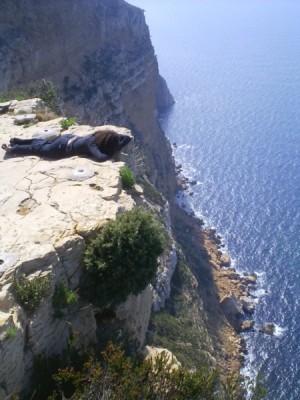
110 142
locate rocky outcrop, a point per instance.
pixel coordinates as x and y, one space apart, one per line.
268 329
153 353
231 306
107 70
47 210
164 98
107 73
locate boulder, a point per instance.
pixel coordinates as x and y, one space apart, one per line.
28 106
152 352
225 260
242 288
250 279
4 107
231 306
24 119
247 325
268 329
231 274
248 305
46 134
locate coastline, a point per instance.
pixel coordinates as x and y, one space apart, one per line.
225 293
213 284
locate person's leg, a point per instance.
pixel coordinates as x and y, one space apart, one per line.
55 149
6 147
22 149
26 147
20 141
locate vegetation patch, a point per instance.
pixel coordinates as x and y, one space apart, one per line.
62 298
44 90
14 94
117 377
67 122
123 258
30 292
127 177
180 327
11 332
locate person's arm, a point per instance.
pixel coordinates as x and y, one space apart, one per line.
96 153
124 140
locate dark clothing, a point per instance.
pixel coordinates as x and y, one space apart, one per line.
87 145
64 146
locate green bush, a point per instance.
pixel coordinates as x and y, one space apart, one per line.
127 177
29 293
67 122
62 298
11 332
118 377
123 258
114 376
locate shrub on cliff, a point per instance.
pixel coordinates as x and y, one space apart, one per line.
127 177
62 298
29 293
67 122
123 258
118 377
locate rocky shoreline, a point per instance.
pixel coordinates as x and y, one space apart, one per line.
234 291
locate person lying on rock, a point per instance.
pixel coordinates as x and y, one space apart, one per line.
101 145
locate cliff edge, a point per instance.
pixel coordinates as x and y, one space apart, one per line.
101 58
47 210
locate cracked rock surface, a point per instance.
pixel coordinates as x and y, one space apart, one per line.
47 209
43 200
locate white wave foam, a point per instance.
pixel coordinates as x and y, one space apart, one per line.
279 331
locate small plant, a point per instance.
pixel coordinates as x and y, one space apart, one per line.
67 122
123 258
29 292
127 177
11 332
62 298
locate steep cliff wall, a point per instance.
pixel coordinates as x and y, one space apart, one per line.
47 210
100 54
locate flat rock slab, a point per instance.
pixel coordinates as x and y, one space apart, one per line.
43 201
24 119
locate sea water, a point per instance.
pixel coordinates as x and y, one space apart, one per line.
233 67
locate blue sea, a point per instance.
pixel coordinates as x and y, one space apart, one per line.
233 67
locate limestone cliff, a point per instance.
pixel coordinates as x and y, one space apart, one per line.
100 53
47 210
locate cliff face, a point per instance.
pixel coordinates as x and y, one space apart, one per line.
100 53
47 210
